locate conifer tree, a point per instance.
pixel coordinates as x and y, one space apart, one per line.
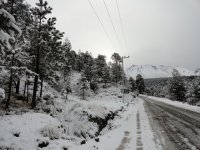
8 32
177 86
197 89
116 68
132 84
140 84
83 85
39 17
106 75
100 65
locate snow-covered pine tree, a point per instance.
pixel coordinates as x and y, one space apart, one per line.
116 68
53 59
100 65
197 89
39 16
8 32
106 75
20 10
132 84
116 58
80 61
66 59
83 85
140 84
88 72
116 71
177 86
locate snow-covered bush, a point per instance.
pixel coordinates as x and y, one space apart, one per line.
2 147
51 131
77 124
94 86
48 96
7 29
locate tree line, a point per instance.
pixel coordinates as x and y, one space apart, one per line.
32 49
184 89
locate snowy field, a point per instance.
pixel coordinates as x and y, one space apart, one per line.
75 125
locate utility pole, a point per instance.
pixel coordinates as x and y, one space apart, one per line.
123 74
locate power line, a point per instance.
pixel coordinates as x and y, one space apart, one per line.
102 25
121 24
111 21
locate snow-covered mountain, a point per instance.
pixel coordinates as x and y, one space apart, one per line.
197 71
158 71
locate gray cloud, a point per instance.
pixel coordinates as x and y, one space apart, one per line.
157 31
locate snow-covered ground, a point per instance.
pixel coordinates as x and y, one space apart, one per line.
132 131
101 121
129 130
175 103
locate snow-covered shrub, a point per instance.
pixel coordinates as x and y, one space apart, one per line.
77 124
192 100
48 96
94 86
43 144
51 131
7 29
2 147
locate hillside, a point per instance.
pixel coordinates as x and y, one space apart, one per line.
159 71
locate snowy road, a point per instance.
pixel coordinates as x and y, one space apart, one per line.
175 128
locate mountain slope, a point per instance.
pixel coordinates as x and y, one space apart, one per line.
159 71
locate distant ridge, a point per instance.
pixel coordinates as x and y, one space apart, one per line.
158 71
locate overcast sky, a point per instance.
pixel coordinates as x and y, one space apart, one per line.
165 32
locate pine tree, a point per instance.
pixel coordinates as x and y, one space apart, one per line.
84 85
88 66
80 61
116 68
132 84
7 37
39 16
197 89
116 58
67 58
7 29
177 86
100 65
140 84
106 75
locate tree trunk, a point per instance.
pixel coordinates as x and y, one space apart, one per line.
35 88
37 70
83 94
17 86
10 85
35 92
25 88
9 91
27 94
66 96
41 89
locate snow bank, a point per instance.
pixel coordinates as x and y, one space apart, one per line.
23 131
175 103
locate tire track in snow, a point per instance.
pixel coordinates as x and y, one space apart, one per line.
124 141
139 141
